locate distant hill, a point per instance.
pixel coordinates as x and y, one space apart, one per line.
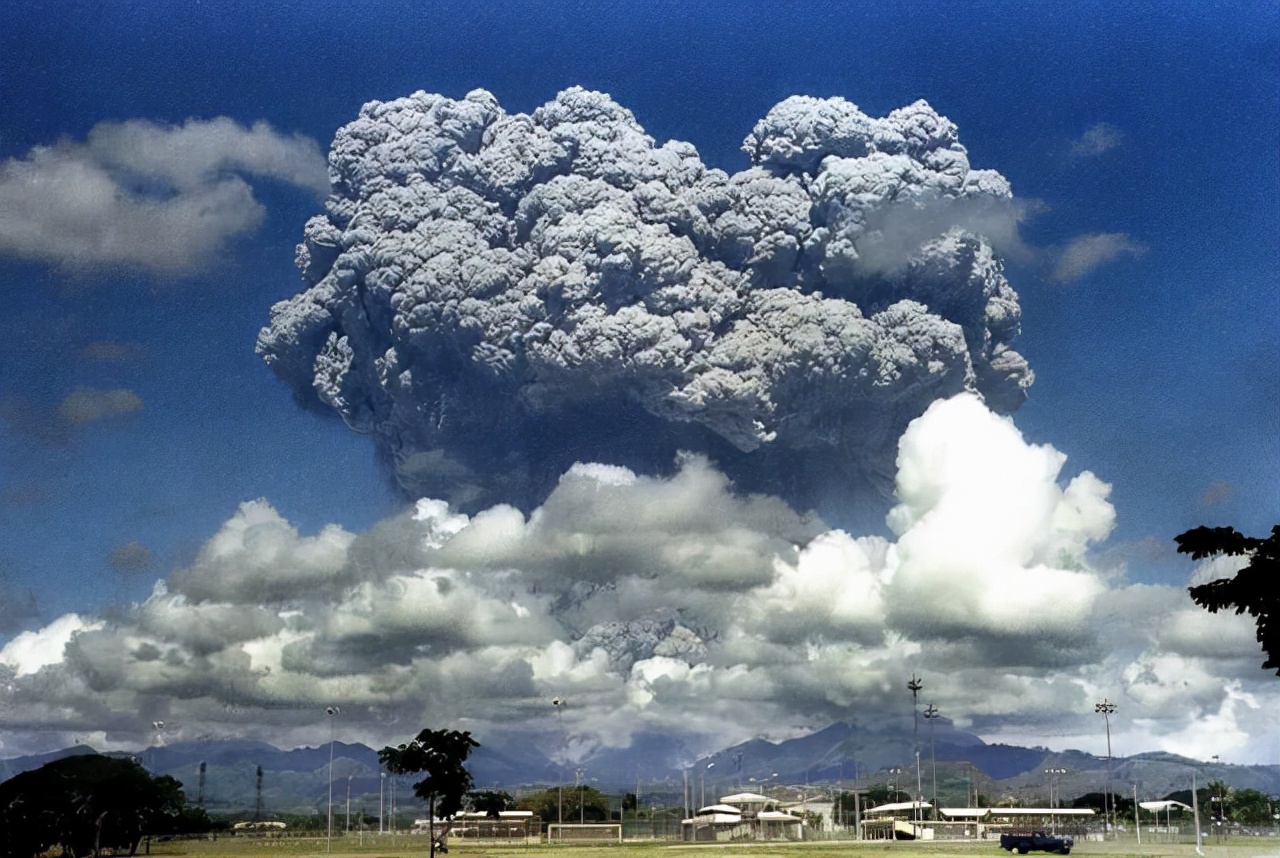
296 781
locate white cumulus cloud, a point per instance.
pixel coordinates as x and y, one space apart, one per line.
1085 253
667 603
141 195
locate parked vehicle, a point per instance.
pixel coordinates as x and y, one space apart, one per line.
1038 841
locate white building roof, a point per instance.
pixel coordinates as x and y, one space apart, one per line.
980 812
1041 811
719 808
745 798
1162 805
964 812
776 815
894 807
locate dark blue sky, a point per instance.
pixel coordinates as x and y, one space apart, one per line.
1158 370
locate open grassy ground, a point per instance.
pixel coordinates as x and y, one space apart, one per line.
384 846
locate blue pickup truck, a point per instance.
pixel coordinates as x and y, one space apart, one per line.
1037 841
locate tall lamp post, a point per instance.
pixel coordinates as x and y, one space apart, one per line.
558 703
914 685
1053 794
702 800
331 711
931 715
157 742
1105 709
895 771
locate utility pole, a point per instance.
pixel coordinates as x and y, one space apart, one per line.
1105 709
931 715
915 684
558 703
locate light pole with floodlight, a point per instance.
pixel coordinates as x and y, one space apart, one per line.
331 711
931 715
1055 799
914 685
158 741
1105 709
558 703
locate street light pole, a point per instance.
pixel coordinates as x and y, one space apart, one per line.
1105 709
931 715
914 685
558 703
158 726
382 789
331 711
1053 792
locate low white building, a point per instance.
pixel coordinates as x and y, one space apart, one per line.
743 815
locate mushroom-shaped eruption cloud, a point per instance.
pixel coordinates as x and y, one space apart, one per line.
495 296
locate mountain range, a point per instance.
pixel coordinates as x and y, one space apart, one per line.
658 768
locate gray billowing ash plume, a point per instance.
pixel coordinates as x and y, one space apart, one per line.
495 296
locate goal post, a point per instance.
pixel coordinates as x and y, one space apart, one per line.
590 832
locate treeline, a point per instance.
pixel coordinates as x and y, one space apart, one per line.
88 804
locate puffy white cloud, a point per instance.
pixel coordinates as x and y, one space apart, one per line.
1085 253
137 194
676 603
29 652
259 557
494 296
1098 138
989 543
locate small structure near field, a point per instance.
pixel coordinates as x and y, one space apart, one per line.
510 826
740 816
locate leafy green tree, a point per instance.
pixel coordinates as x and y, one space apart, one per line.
88 803
442 754
884 794
843 808
1254 588
575 802
489 802
1251 807
1217 796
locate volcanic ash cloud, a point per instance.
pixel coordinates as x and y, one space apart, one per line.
495 296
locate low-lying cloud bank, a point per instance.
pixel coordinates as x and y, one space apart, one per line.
673 603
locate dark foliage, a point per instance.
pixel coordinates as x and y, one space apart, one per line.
442 754
572 802
85 804
490 802
1253 590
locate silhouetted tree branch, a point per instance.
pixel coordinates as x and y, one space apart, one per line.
1254 590
442 754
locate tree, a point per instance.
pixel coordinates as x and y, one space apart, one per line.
442 754
85 804
490 802
1253 590
879 794
577 802
1251 807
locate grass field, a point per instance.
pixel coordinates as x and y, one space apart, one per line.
384 846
